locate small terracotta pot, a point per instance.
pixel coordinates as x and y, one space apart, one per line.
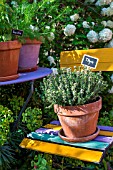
29 55
79 121
9 56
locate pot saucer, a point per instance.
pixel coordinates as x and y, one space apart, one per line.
82 139
7 78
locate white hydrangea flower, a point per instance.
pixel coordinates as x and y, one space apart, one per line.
112 77
51 36
111 5
74 17
107 11
69 30
14 3
103 2
54 71
51 60
110 44
93 23
105 35
111 90
110 24
104 23
104 11
46 53
47 27
92 36
85 24
33 28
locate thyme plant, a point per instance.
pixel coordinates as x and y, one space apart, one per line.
72 88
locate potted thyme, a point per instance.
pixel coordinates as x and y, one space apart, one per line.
76 99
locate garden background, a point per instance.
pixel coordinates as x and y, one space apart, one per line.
62 25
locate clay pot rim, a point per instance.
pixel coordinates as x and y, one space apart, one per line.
15 44
80 109
31 41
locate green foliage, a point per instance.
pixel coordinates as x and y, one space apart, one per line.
15 104
106 118
33 118
6 157
72 88
39 163
5 24
5 120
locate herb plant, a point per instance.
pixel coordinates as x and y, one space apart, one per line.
72 88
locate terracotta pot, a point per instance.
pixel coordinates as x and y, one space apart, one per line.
9 56
29 56
79 121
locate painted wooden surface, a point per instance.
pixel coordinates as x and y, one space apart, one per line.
74 58
67 151
46 139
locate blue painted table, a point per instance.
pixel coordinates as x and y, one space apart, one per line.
24 77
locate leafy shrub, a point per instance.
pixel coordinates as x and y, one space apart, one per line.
5 120
32 117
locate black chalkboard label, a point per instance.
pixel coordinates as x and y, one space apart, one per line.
17 32
89 61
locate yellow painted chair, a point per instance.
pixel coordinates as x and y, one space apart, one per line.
46 139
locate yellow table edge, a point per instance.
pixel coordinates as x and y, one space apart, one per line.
67 151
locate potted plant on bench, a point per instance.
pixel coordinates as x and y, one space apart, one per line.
77 102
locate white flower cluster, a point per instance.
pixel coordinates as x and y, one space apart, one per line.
108 23
111 90
51 60
103 36
107 11
14 3
54 71
47 27
86 24
33 28
92 36
74 17
51 36
103 2
69 30
110 44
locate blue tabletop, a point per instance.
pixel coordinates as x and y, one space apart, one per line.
23 77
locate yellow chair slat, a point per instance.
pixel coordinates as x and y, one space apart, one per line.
67 151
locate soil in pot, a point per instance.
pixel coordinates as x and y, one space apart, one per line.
79 123
9 56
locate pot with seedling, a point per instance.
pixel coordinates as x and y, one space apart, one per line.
76 100
29 52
